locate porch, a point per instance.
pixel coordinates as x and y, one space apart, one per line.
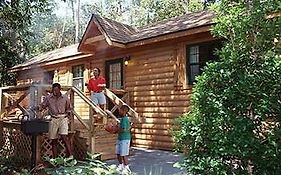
86 134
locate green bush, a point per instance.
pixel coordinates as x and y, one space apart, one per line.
234 125
70 166
12 165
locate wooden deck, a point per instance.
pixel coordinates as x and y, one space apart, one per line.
86 134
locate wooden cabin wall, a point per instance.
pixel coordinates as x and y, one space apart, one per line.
155 80
150 79
63 75
29 76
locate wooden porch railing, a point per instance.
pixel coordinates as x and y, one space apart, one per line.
118 102
36 91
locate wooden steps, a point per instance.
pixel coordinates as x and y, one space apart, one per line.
104 142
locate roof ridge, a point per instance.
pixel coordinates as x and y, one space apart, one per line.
135 30
45 56
124 33
171 19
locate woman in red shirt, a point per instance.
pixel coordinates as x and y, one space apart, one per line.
96 86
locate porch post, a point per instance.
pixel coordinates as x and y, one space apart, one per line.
72 116
1 133
92 132
1 104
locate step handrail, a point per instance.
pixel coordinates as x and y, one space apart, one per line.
89 102
81 120
23 110
115 99
104 113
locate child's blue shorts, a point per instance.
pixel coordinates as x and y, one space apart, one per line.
122 147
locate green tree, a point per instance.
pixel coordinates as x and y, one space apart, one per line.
118 10
143 12
42 38
86 13
50 32
234 126
149 11
15 17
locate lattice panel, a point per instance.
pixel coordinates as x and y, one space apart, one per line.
80 147
46 147
16 145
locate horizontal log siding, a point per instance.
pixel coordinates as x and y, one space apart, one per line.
29 76
149 79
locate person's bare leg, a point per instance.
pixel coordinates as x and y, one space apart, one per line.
126 163
54 143
67 145
125 160
119 158
102 106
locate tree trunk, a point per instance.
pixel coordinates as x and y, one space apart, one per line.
77 24
62 33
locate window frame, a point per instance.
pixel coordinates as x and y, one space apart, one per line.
215 44
47 75
107 71
80 77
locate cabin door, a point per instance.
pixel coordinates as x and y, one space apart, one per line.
114 78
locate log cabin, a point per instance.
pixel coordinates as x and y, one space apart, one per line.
154 67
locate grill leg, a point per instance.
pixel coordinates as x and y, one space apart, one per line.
33 150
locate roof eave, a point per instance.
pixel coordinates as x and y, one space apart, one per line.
48 63
84 34
168 36
107 38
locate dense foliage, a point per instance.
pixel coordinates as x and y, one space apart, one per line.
71 166
60 166
15 17
234 126
143 12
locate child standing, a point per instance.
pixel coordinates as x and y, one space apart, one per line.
123 142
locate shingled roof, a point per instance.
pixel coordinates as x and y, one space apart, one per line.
61 54
124 34
116 31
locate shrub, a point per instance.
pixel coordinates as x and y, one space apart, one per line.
71 166
234 125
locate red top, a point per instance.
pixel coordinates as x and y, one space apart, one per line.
96 85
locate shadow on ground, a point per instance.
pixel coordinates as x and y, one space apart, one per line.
152 162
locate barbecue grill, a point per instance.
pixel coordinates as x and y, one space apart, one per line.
30 125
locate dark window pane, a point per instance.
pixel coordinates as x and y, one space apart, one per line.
194 71
194 54
198 56
78 76
115 75
48 77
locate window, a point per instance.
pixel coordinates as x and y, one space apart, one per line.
78 76
197 57
114 74
48 77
